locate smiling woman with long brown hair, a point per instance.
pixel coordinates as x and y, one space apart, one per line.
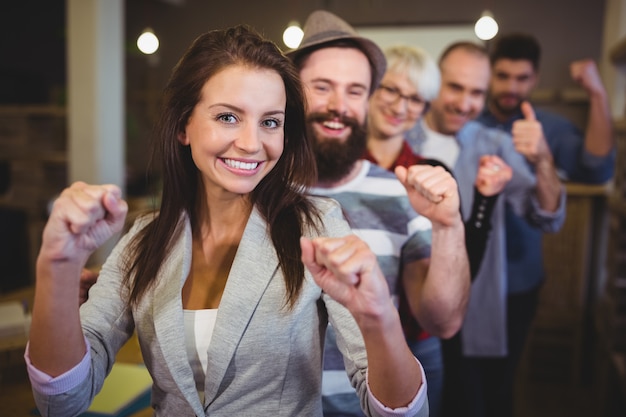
231 284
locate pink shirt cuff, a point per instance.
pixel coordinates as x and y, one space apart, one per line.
410 410
47 385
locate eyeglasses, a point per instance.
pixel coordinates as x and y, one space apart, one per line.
392 94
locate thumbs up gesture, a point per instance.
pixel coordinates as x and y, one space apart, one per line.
528 136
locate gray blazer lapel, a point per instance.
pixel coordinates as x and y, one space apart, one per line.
252 270
168 316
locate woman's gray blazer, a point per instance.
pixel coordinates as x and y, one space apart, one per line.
263 360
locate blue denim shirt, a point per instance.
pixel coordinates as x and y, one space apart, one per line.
574 163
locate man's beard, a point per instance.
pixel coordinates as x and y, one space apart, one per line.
507 110
335 159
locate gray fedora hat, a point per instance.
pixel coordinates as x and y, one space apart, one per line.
322 27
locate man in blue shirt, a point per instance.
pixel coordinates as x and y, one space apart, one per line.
579 157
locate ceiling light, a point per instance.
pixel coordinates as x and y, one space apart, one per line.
147 42
292 36
486 27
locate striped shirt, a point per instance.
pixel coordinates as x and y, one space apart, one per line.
376 205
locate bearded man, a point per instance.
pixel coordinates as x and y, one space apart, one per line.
411 220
